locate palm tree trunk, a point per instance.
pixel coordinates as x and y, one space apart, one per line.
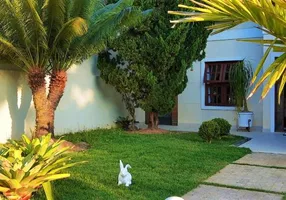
46 105
37 83
56 91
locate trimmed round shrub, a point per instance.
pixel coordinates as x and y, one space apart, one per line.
209 130
224 126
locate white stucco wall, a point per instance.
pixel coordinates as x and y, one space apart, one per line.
220 47
87 103
269 100
192 111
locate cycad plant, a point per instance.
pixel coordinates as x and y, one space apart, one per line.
28 164
270 15
240 76
44 38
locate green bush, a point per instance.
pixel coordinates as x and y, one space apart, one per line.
224 126
123 123
209 130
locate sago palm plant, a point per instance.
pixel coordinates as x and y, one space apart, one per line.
269 14
44 38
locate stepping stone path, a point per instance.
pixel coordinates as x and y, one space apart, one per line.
207 192
264 159
256 176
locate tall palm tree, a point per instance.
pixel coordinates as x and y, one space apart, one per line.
44 38
269 14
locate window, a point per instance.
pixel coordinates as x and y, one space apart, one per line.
217 84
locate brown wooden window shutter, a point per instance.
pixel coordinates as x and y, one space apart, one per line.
217 84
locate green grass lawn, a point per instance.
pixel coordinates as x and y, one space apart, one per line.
162 165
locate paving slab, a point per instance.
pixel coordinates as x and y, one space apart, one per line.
264 159
264 142
251 177
207 192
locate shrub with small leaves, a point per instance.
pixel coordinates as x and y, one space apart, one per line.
124 123
209 130
224 126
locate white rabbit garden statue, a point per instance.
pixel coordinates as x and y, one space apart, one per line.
174 198
124 176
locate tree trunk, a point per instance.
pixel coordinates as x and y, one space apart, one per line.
56 91
37 83
245 105
46 105
154 120
132 113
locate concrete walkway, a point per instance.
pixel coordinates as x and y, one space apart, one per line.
257 176
264 142
260 141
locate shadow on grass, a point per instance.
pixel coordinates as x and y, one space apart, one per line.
75 189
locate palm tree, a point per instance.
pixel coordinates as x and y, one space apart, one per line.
269 14
44 38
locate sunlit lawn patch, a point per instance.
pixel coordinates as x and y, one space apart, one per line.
162 165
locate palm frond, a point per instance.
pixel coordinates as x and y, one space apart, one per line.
35 25
107 23
12 22
9 51
281 3
55 15
271 15
36 31
72 29
84 8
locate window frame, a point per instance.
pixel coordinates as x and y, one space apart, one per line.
217 80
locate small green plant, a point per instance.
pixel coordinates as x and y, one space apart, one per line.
124 123
240 76
224 125
28 164
209 130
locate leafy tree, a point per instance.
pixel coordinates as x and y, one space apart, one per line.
44 38
270 15
132 82
163 53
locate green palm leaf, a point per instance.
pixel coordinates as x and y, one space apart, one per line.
271 15
35 24
84 8
55 15
106 23
72 29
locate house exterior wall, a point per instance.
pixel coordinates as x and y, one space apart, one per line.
269 100
87 103
221 47
192 109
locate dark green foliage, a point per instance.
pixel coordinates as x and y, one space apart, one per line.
224 125
209 130
123 123
162 53
132 82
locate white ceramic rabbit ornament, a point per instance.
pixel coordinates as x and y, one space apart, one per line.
124 176
174 198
